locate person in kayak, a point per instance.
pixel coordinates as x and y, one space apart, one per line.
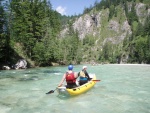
84 76
70 78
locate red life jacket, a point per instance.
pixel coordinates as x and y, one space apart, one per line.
70 78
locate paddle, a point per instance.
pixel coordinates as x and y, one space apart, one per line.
96 80
51 91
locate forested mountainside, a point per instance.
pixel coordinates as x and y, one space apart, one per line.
112 31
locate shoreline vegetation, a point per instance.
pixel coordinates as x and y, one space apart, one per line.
85 63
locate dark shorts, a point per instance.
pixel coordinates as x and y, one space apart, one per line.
81 82
71 85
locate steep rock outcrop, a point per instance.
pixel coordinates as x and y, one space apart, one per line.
120 33
113 25
141 11
85 25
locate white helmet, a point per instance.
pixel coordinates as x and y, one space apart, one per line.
84 67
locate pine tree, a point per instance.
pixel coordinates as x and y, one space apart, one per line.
2 36
4 39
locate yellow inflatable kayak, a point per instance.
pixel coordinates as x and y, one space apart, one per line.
80 89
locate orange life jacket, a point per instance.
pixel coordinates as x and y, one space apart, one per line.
70 78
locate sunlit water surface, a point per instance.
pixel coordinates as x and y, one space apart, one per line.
122 89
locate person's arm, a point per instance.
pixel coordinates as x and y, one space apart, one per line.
76 75
60 84
87 75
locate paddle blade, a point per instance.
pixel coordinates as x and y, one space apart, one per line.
52 91
96 80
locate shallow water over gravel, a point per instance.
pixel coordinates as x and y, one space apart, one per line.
122 89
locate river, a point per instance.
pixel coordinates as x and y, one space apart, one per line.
122 89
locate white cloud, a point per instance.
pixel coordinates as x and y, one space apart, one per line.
61 10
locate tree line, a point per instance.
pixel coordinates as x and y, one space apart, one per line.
32 26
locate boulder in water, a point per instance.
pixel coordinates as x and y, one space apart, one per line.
6 68
21 64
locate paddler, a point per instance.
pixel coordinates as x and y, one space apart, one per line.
84 76
70 78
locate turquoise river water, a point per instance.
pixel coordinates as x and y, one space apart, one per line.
122 89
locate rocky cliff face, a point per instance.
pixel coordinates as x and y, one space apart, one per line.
93 24
104 30
87 24
141 11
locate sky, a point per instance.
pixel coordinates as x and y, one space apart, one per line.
71 7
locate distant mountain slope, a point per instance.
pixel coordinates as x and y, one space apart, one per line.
114 31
